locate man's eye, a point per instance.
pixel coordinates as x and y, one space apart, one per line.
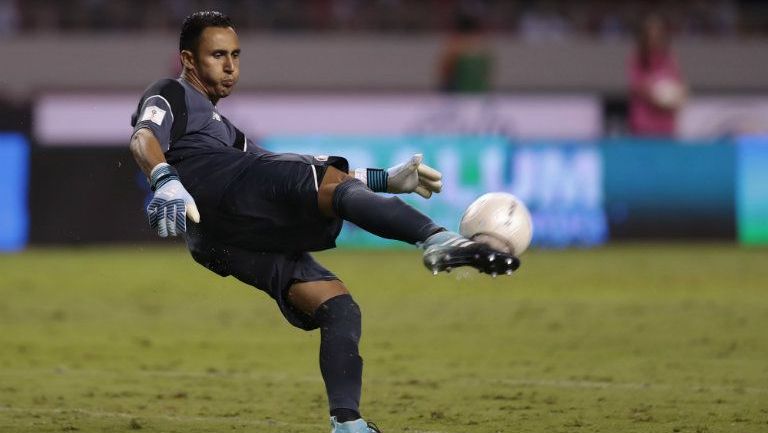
217 56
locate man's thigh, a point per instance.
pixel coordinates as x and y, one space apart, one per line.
272 273
273 206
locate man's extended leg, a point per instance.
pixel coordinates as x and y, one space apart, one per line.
389 217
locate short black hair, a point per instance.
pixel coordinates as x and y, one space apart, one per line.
195 24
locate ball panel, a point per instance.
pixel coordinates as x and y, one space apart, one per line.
500 220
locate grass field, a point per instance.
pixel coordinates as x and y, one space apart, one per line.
637 338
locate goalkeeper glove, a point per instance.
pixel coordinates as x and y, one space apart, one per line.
410 176
169 208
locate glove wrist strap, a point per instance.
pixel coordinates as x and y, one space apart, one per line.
377 179
162 174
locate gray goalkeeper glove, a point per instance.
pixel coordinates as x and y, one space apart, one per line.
172 205
410 176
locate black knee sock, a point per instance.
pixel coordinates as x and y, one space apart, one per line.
340 362
387 217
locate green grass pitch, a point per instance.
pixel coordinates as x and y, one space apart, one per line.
633 338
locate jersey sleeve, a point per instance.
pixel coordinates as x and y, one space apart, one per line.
163 110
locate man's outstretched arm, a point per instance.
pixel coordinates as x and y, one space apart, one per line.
172 205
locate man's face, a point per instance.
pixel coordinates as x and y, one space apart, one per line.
217 62
655 34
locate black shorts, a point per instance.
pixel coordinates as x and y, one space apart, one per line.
263 221
272 273
271 206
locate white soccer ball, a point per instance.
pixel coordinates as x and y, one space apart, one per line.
500 220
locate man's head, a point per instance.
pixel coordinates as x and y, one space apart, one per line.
210 53
652 34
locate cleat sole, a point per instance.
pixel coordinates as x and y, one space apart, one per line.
478 256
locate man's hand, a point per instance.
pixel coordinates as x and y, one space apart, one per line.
413 176
171 205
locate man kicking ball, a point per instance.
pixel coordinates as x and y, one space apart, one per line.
256 215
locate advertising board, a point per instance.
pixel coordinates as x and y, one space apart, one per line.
14 181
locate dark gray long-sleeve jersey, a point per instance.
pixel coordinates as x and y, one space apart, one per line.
203 145
174 110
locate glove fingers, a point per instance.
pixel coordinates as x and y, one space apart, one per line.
153 216
416 159
178 224
162 224
173 216
420 190
192 213
181 224
181 219
432 185
429 172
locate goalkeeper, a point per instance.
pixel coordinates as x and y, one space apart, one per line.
256 215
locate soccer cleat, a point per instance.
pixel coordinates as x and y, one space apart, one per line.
447 250
356 426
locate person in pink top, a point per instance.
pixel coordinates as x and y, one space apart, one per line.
657 89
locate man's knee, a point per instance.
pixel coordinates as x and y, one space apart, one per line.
308 296
345 192
340 317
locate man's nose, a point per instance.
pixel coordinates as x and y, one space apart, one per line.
229 65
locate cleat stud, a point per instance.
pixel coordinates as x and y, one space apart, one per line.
434 271
509 261
509 271
493 274
491 257
433 261
477 256
447 257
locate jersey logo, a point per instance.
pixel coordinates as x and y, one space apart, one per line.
321 158
154 114
216 116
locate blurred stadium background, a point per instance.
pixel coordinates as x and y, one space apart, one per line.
640 307
542 113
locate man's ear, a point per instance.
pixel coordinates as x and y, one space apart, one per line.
187 59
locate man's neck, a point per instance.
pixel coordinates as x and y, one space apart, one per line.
197 84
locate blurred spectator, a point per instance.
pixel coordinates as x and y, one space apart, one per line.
657 90
466 62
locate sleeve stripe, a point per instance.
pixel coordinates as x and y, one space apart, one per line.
170 109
